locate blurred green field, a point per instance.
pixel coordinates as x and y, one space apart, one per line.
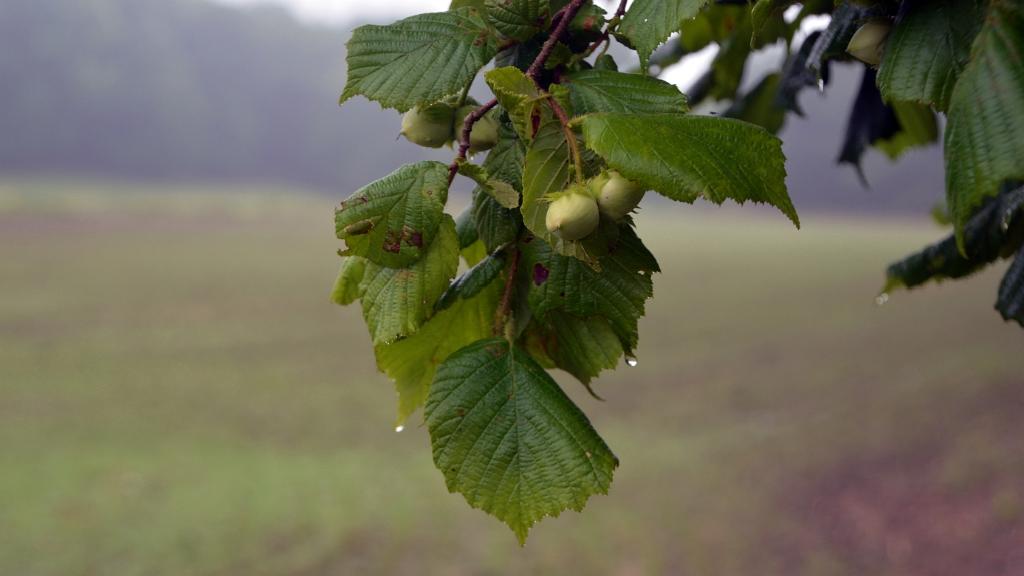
178 396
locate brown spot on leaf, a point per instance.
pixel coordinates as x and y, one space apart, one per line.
392 242
412 237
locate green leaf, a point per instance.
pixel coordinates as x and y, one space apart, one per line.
608 91
394 220
927 50
728 65
518 95
618 292
582 346
503 192
648 23
397 301
519 19
411 362
473 281
686 157
985 131
419 60
346 287
993 231
507 438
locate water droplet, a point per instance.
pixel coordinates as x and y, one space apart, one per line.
399 428
1005 224
821 85
882 298
631 362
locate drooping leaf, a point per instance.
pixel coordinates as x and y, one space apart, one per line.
411 362
927 49
798 74
398 301
473 281
990 233
760 105
608 91
507 438
1010 303
518 95
418 60
518 19
392 221
684 157
350 275
985 133
870 121
648 23
618 292
582 346
918 127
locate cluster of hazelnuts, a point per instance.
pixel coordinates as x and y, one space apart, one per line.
573 214
440 124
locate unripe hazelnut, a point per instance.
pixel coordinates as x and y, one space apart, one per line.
430 127
868 41
619 196
572 215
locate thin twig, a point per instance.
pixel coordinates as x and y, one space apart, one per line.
467 131
568 13
506 297
606 35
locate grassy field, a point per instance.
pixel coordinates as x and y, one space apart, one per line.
178 396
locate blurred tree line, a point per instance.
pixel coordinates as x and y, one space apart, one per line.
168 89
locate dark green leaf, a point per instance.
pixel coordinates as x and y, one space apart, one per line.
473 281
686 157
985 239
465 228
503 192
618 292
927 49
507 438
393 221
985 131
518 19
648 23
419 60
1011 291
581 346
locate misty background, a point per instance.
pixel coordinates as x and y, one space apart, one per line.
246 93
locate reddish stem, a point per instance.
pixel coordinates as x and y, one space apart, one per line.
568 13
467 130
506 297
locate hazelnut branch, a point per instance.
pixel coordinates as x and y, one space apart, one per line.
467 130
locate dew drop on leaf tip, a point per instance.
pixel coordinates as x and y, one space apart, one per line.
821 85
399 428
631 362
882 299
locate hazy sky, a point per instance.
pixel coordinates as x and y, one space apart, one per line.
342 11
